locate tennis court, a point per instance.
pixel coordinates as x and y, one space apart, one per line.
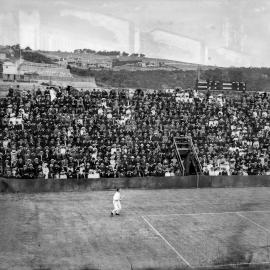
162 229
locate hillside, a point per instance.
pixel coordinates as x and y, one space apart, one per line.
36 57
15 52
162 74
154 79
93 57
256 78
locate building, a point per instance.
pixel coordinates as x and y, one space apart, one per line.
106 65
3 56
142 64
10 72
28 77
152 64
13 72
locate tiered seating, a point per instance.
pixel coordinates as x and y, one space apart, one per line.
115 134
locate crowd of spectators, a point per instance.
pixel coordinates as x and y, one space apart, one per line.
65 133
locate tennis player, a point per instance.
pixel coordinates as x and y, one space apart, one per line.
116 203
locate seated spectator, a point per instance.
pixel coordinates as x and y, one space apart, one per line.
63 174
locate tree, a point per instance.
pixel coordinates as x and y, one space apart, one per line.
16 47
36 57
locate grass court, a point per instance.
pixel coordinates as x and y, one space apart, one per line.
157 229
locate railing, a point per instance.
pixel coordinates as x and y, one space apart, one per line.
182 168
194 152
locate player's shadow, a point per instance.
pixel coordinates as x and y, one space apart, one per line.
89 267
252 206
6 188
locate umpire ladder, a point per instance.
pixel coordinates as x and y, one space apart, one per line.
187 156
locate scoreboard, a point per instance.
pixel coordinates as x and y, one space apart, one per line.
219 85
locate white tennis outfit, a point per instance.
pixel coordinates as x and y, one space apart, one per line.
116 203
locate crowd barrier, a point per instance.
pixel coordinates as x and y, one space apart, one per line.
63 185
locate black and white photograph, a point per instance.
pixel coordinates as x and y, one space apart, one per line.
134 134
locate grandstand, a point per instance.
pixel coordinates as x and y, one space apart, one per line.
64 133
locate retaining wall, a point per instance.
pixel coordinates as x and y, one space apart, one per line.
192 181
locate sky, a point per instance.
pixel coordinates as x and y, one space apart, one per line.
212 32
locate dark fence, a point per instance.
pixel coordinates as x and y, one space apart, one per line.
192 181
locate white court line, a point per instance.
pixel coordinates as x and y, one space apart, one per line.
250 220
208 213
213 213
164 239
